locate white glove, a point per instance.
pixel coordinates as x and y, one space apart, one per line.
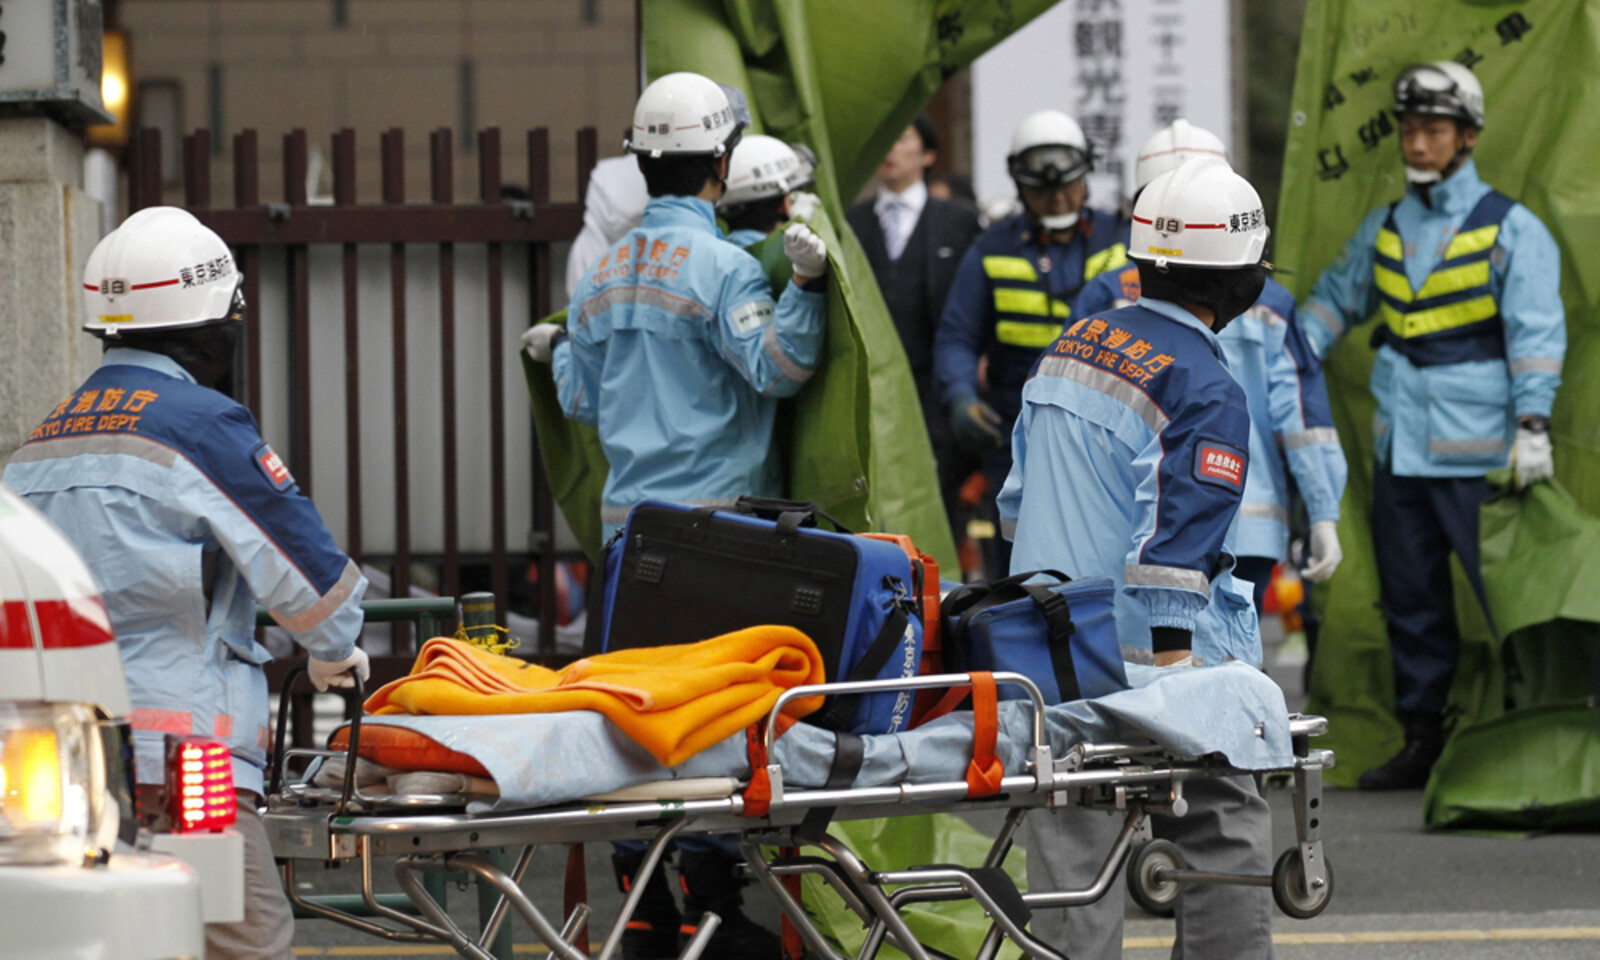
540 340
1325 551
806 251
803 204
337 673
1532 457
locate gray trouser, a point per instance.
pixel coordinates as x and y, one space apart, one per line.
267 930
1228 829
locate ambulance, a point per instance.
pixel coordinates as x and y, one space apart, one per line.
81 875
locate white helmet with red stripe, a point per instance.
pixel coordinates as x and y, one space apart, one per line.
1169 147
55 638
685 114
159 270
1199 215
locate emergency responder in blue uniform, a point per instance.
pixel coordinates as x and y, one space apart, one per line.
187 520
1014 288
1285 388
1131 456
1471 336
766 183
676 351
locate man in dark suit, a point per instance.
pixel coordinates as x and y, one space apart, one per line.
914 243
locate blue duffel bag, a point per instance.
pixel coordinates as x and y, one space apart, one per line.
1062 635
679 574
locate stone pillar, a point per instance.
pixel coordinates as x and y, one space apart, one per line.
48 226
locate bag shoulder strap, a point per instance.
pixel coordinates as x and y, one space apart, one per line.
1058 620
837 713
968 601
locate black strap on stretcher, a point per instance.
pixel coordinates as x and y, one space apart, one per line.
849 750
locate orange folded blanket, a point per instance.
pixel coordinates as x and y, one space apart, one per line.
674 701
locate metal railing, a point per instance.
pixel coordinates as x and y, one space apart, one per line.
266 233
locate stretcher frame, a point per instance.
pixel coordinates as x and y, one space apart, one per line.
432 835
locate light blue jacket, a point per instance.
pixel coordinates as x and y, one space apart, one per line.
187 519
1454 419
1290 418
744 239
1129 460
678 355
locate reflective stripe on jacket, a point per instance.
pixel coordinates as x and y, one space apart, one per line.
1290 418
1011 298
187 519
677 353
1447 400
1129 461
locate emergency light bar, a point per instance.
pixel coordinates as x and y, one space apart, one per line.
200 795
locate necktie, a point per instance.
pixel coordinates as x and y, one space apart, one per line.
896 227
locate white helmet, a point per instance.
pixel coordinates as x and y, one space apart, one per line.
160 269
684 114
1442 88
1199 215
762 168
1049 150
1170 146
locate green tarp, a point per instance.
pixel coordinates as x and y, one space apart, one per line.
844 77
956 928
1539 62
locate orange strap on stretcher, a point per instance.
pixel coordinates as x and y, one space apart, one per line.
758 795
985 771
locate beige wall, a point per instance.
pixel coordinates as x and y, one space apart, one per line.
286 64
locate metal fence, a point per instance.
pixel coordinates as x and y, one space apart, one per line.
279 245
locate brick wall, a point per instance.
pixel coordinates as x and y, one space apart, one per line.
289 63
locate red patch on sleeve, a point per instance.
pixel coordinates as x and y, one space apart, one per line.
273 467
1219 463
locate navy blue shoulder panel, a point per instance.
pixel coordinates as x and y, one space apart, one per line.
167 408
221 439
252 475
1172 364
1490 210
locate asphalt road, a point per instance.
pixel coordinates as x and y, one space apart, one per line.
1402 892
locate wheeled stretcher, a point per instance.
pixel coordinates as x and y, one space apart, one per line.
1131 752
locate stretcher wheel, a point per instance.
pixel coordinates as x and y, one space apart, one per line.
1154 895
1288 886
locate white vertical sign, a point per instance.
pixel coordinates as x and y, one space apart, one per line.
1122 68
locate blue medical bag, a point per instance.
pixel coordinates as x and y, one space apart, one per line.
680 574
1061 635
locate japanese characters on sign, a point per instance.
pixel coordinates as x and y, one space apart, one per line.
1122 68
1101 94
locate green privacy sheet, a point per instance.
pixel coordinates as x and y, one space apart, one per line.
845 77
956 928
1539 62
